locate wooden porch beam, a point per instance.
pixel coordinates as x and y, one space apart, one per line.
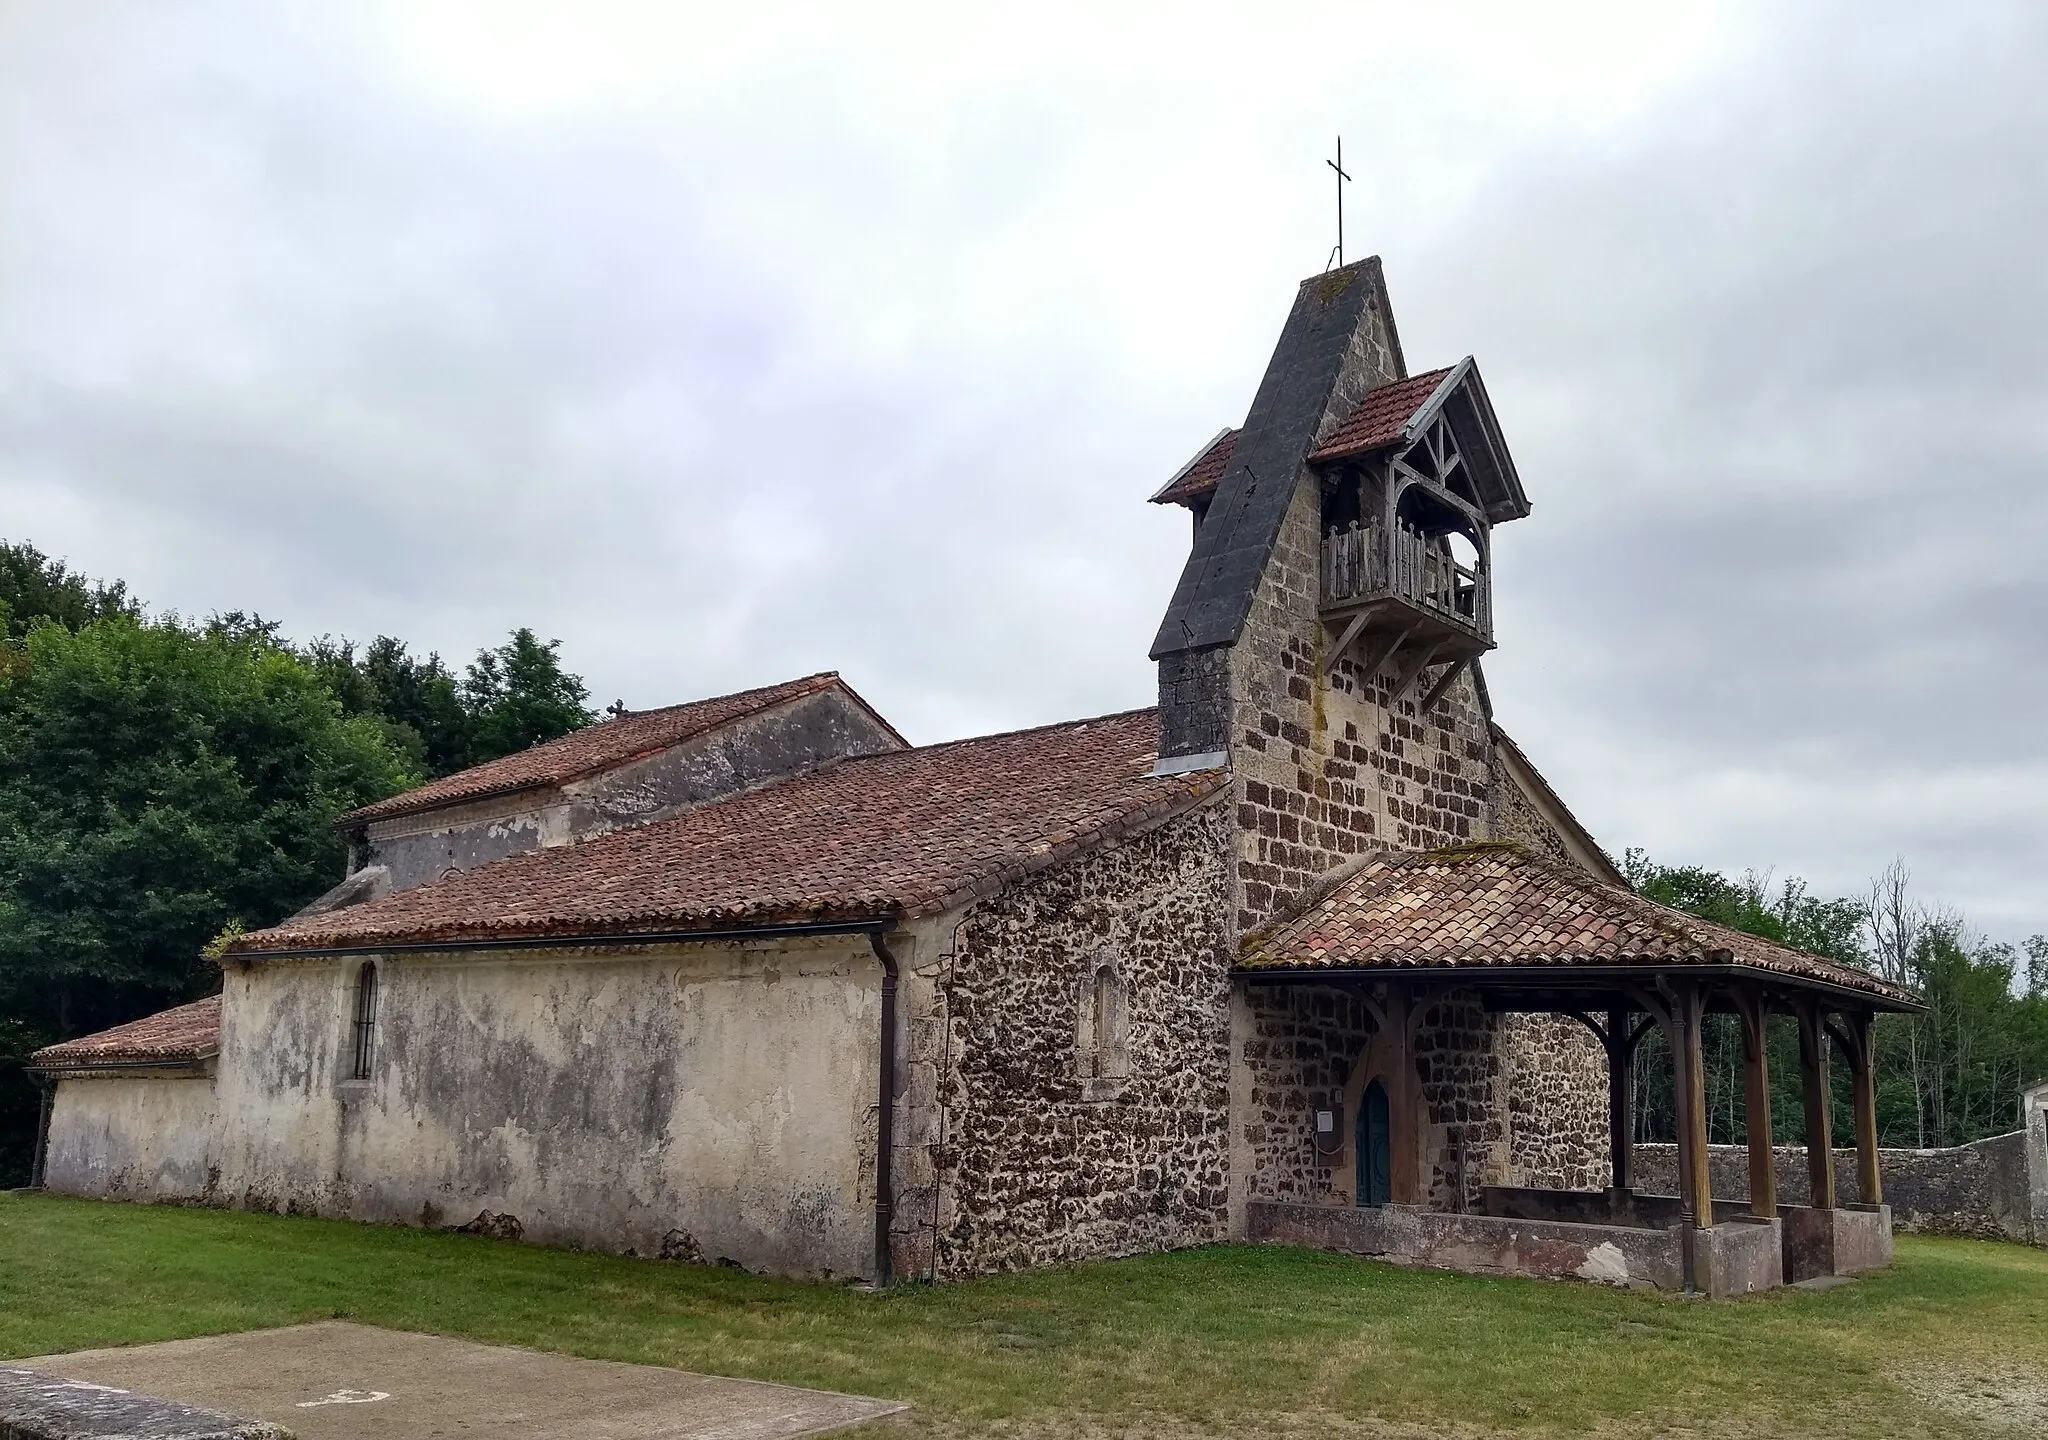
1696 1191
1621 1118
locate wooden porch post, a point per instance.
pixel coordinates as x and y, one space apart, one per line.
1869 1185
1404 1104
1756 1104
1813 1076
1621 1119
1696 1186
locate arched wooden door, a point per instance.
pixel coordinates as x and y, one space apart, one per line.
1375 1153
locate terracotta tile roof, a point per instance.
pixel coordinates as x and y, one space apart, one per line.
1202 475
1378 419
1495 907
903 832
599 747
190 1032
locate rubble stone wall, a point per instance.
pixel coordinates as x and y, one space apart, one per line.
1517 820
1038 1161
1298 1046
1557 1104
1508 1099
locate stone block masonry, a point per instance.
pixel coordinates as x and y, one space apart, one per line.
1328 766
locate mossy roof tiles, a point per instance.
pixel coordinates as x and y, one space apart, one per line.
188 1033
1496 907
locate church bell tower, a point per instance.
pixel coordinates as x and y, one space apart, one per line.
1322 638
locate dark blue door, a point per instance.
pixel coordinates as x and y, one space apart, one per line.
1375 1166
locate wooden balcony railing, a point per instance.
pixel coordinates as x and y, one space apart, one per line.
1371 563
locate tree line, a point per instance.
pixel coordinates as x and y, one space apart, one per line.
1945 1077
163 778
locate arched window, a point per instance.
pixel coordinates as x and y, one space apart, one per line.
1103 1036
363 1034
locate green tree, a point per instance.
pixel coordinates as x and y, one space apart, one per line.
417 701
157 781
514 695
34 587
519 695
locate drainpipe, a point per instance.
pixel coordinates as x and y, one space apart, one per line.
885 1126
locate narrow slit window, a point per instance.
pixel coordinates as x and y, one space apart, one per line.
1103 1034
363 1034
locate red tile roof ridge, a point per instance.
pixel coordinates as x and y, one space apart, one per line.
1201 474
1081 724
180 1035
584 752
1380 415
899 833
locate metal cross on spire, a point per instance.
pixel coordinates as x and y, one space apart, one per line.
1338 166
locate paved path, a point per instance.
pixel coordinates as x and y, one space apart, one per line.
336 1381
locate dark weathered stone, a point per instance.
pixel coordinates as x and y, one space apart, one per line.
38 1406
1194 702
1043 1159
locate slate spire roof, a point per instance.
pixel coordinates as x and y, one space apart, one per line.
1493 907
899 833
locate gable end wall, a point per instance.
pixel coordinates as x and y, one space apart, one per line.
785 740
1034 1162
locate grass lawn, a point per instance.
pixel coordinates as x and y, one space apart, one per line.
1224 1340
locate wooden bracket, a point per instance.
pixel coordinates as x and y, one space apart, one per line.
1443 683
1384 653
1414 671
1358 623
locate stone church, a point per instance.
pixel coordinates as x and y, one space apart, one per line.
1310 951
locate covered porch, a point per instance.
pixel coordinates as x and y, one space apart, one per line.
1492 928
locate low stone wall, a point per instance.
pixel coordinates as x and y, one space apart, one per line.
1733 1259
1979 1190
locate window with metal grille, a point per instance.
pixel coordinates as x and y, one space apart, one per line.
364 1033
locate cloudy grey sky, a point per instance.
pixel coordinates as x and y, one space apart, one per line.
733 342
